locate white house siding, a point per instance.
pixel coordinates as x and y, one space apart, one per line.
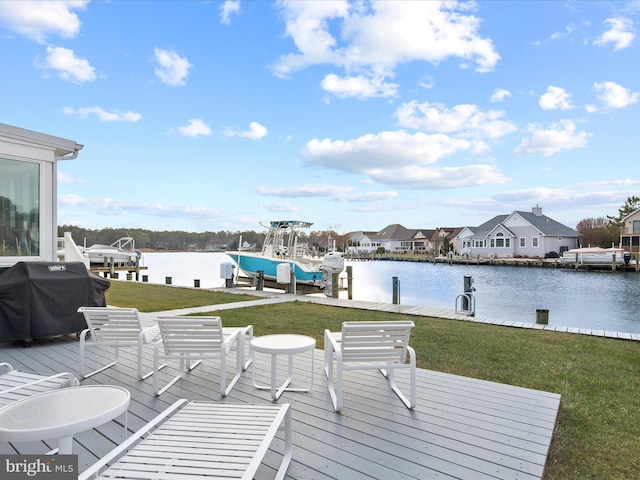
522 229
40 151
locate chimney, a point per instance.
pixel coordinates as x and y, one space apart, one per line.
537 211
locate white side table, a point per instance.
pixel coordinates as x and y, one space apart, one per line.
284 344
62 413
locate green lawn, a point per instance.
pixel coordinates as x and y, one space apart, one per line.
598 428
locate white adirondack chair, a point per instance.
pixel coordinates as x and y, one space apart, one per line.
117 328
16 384
370 346
195 338
201 440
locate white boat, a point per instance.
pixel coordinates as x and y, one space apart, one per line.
594 256
121 251
280 255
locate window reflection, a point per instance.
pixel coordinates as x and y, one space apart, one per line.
19 208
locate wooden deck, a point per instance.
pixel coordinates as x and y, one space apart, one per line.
461 428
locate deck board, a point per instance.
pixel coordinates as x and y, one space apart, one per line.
461 428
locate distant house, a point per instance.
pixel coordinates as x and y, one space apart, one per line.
443 240
419 242
361 242
396 238
390 238
518 234
28 194
630 232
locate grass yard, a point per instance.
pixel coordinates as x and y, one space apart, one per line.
598 430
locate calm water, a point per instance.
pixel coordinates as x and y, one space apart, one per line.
598 300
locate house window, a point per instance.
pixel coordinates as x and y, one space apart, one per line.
499 240
534 241
636 227
19 208
523 242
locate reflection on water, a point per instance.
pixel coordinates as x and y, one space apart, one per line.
597 300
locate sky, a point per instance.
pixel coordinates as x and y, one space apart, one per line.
353 115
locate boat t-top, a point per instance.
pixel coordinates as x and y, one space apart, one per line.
280 248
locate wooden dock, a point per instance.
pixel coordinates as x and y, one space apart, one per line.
461 428
633 266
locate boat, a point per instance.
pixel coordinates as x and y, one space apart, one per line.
595 256
280 255
121 251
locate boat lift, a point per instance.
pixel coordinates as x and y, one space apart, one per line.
466 302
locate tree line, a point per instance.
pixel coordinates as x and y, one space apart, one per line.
600 231
181 240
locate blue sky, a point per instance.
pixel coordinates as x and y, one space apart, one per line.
212 115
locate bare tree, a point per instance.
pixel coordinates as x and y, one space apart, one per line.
599 231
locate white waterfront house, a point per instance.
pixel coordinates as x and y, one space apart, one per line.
28 193
390 238
518 234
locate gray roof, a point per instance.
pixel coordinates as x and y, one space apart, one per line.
484 229
547 226
395 232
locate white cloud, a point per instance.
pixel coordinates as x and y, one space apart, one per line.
111 206
37 20
384 150
71 200
172 68
195 128
360 86
280 207
421 177
627 182
620 33
427 82
463 120
559 137
366 197
337 192
255 132
568 31
401 159
67 66
301 191
228 8
65 178
614 95
368 40
556 98
103 115
499 95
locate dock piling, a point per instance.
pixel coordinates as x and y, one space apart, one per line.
542 317
396 291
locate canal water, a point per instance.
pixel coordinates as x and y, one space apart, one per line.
595 300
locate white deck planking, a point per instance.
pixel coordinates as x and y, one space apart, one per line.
462 428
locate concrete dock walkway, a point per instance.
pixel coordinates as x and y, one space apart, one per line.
269 297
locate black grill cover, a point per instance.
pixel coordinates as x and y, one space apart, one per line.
41 299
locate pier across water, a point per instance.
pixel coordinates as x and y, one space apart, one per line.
633 266
270 297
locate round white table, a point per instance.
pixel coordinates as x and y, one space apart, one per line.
61 413
282 344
